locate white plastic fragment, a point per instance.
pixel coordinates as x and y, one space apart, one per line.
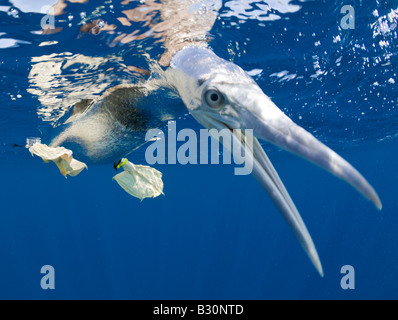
61 156
140 181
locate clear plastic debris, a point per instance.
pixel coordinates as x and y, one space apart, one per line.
32 141
62 157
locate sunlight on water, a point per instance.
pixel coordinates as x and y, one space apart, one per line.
62 72
61 80
259 10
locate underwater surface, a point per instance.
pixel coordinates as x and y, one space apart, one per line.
213 235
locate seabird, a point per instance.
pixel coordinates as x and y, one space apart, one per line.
219 95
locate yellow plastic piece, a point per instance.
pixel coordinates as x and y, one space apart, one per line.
140 181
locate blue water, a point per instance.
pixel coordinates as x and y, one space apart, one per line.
213 235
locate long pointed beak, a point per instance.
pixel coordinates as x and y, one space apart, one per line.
265 173
254 110
272 125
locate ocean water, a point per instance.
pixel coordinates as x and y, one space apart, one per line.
213 235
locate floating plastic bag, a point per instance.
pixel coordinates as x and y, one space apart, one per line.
62 158
139 181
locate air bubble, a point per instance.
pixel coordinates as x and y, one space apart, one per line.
83 15
101 24
70 17
13 13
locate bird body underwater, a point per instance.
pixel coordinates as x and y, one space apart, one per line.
219 95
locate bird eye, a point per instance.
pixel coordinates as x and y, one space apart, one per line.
213 98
